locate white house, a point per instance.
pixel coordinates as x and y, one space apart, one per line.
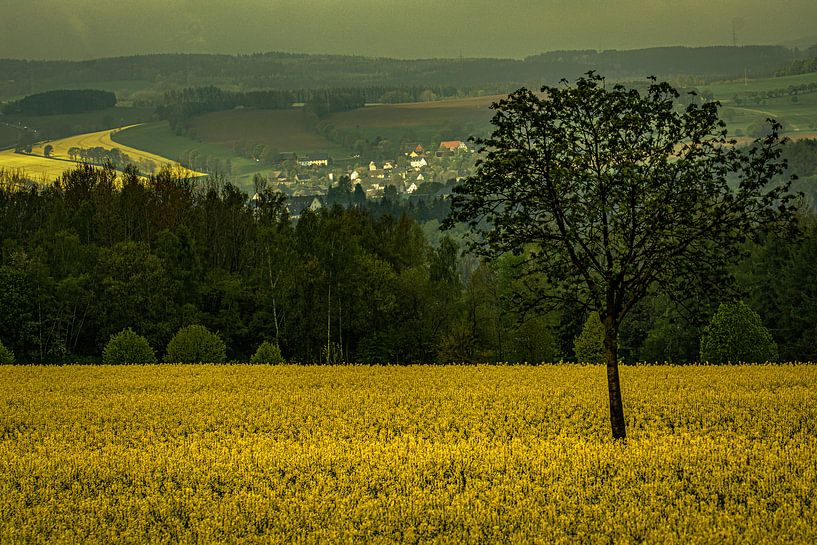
418 162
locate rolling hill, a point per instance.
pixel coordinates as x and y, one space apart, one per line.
746 107
39 168
284 130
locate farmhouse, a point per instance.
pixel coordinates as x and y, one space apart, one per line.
453 145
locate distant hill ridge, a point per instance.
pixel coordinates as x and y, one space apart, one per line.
277 70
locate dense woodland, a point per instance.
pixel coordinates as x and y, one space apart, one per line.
370 282
804 64
61 102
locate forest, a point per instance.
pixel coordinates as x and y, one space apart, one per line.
375 281
61 102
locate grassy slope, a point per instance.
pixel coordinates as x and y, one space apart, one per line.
66 124
423 121
288 130
799 118
725 90
43 169
417 114
8 134
283 130
104 140
159 139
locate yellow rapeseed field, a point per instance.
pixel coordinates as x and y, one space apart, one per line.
47 169
40 169
286 454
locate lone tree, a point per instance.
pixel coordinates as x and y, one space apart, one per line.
613 194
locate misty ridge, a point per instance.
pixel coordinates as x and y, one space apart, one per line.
276 70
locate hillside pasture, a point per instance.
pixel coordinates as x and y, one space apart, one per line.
62 125
103 139
799 118
418 114
9 134
797 113
725 90
292 130
159 139
36 167
287 131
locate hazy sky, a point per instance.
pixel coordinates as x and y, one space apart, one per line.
78 29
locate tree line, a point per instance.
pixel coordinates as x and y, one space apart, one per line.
99 155
806 64
760 97
61 102
91 256
178 106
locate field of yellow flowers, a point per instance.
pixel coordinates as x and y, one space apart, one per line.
424 454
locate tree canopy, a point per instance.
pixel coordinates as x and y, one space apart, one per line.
615 193
62 102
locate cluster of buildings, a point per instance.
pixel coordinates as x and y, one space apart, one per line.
308 183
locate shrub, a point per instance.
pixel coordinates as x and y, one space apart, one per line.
267 353
128 347
589 345
195 344
736 334
6 355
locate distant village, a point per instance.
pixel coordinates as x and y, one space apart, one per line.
417 173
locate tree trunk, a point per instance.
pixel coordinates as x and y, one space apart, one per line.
613 384
328 323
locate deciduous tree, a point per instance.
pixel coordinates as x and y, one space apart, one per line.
616 193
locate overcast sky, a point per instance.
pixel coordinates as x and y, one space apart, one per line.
77 29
